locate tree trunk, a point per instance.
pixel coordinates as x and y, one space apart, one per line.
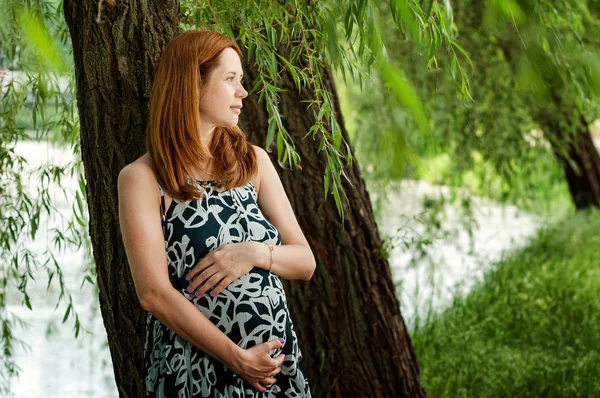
347 317
114 62
556 118
580 163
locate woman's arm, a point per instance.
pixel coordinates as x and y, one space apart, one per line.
293 259
140 221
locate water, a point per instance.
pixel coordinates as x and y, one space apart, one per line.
60 365
57 364
452 264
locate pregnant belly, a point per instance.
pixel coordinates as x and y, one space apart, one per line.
251 310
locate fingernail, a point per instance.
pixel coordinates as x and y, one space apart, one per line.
281 340
213 293
187 277
190 289
197 294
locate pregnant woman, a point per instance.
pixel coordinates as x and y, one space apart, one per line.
209 232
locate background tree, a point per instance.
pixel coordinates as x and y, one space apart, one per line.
557 46
534 72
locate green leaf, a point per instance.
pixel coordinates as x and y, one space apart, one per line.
79 220
79 202
330 30
338 201
405 18
405 93
292 70
463 51
285 158
295 54
326 181
77 326
453 66
279 145
42 42
270 133
50 277
271 34
82 184
511 10
67 313
335 131
27 302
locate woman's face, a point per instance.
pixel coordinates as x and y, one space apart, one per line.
221 101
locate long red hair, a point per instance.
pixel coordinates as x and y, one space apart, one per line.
173 138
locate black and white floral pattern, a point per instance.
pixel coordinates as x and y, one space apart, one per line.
251 310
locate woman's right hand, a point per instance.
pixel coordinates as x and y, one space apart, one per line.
256 366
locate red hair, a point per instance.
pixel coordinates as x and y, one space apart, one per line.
173 138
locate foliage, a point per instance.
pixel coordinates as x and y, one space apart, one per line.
528 329
342 35
521 54
34 63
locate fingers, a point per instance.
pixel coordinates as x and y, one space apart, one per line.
263 384
210 282
275 372
200 279
268 381
276 343
258 387
200 266
279 360
224 283
266 377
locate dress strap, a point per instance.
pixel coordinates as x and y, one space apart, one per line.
162 201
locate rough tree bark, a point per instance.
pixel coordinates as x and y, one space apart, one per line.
347 317
581 163
114 62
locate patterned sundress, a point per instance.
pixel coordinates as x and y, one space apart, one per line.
251 310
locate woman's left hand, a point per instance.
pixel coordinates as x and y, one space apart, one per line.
221 267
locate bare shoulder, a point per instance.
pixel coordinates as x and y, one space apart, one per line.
137 178
139 168
259 151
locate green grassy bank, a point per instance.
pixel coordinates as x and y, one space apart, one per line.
530 328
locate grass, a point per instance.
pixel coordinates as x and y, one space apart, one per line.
530 328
